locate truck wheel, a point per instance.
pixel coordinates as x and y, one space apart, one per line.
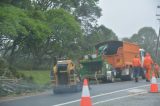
127 77
112 80
104 80
123 77
130 76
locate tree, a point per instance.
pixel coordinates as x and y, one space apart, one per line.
10 27
86 12
147 39
99 34
46 29
25 4
17 26
66 32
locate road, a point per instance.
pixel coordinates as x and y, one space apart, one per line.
126 93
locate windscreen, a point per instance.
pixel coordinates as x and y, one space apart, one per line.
62 74
62 67
112 47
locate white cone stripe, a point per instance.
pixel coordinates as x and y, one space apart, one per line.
85 92
154 81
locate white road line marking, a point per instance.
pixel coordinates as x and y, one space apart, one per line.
22 97
121 97
102 94
136 90
67 103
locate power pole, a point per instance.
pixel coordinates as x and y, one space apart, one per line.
157 42
158 7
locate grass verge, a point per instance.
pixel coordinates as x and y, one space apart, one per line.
40 77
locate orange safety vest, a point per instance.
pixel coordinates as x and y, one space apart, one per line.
148 62
136 62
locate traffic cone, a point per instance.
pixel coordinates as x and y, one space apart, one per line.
85 99
154 85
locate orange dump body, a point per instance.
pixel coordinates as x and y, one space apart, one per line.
120 54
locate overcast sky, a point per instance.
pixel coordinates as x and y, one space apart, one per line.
126 17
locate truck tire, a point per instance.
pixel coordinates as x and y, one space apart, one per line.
128 77
123 77
112 79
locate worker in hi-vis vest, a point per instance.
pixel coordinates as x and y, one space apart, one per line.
148 66
136 67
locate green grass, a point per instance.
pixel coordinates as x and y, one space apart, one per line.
40 77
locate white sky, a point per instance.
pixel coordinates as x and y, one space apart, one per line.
126 17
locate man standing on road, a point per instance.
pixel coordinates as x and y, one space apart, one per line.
148 66
136 67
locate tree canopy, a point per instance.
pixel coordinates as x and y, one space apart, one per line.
34 31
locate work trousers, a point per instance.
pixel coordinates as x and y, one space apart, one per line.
136 71
148 74
156 73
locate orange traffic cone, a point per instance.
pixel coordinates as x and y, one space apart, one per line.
85 99
154 85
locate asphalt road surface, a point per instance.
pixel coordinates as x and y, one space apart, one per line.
127 93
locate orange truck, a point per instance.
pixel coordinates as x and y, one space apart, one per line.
119 54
